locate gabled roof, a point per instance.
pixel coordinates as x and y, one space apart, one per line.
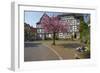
44 15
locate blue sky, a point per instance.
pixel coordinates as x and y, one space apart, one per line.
32 17
86 17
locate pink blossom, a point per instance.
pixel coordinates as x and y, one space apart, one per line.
54 24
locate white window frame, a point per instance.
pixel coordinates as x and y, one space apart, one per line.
17 56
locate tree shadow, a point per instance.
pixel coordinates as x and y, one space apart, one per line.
31 44
71 45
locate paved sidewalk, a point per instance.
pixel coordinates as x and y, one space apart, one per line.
43 51
38 52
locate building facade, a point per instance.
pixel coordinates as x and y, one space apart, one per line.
73 23
73 30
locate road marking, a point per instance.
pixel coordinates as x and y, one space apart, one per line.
54 52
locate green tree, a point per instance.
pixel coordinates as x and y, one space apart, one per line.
85 36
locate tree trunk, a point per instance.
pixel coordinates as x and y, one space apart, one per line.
54 35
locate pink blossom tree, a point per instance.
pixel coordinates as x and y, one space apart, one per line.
54 25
